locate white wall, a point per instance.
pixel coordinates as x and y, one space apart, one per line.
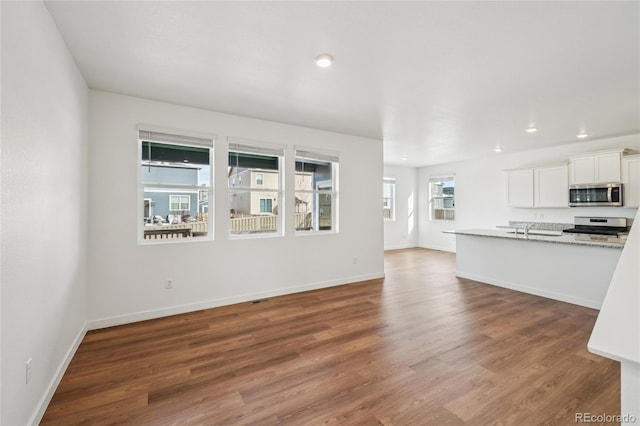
480 195
403 231
44 206
127 279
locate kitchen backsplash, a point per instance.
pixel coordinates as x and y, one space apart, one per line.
547 226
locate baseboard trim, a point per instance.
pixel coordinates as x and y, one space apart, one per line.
447 249
215 303
41 408
401 247
594 304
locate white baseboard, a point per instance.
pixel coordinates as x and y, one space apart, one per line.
37 415
400 247
594 304
214 303
439 248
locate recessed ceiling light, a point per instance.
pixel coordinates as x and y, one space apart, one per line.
532 129
324 60
582 135
404 158
498 148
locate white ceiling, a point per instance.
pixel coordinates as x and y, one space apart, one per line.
437 81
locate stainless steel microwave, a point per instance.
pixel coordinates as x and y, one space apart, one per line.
601 194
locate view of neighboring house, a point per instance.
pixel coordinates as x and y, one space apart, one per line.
175 186
172 205
315 185
442 198
250 202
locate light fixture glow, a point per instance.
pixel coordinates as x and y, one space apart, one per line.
324 60
532 129
404 158
582 135
498 148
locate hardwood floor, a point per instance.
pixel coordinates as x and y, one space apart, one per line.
421 347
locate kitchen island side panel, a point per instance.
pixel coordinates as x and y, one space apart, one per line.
569 273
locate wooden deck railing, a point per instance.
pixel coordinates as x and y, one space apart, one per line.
444 213
248 224
254 223
168 232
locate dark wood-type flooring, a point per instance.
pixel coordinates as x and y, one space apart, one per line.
421 347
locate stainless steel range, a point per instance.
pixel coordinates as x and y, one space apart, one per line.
598 225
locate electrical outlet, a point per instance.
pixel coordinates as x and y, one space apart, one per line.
355 260
168 284
28 370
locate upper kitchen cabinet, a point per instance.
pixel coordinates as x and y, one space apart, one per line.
596 167
631 180
544 187
551 186
520 188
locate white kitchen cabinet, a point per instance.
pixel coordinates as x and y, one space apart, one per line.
545 186
551 186
607 167
582 169
520 188
631 180
597 167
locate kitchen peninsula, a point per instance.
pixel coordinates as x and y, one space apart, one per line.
570 268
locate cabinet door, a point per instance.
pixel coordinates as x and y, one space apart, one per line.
520 188
607 167
582 170
631 181
551 187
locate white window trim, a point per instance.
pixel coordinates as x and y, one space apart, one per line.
431 179
334 158
270 149
393 199
210 145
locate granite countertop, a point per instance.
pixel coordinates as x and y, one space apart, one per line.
550 237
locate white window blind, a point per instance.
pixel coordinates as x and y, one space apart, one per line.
150 136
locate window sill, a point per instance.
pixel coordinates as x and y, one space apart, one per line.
190 240
255 236
311 233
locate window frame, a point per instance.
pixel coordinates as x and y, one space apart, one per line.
161 135
257 148
392 208
267 203
313 154
180 198
432 209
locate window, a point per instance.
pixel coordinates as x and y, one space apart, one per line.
389 199
179 202
266 205
316 191
441 200
255 188
175 183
